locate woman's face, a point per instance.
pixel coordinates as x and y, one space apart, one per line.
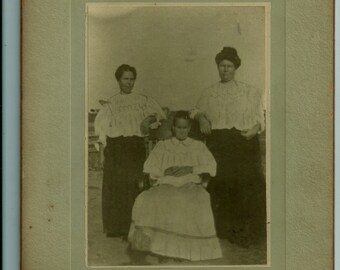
226 69
181 129
126 82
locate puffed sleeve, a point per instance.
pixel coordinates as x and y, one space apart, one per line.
201 105
153 164
153 108
206 161
103 120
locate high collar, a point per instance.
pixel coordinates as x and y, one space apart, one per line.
185 142
125 95
228 83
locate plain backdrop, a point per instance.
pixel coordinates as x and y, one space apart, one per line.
172 48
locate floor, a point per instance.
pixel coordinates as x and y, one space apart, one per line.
103 251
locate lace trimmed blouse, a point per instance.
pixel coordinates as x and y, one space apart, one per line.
231 105
123 114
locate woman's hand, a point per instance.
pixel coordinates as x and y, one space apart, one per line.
102 140
248 134
171 171
145 125
178 171
100 146
101 156
205 125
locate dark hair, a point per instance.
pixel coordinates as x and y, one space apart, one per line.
181 115
228 53
120 70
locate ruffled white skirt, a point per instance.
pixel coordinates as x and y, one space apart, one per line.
175 222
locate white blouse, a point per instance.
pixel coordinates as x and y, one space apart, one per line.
123 114
231 105
173 152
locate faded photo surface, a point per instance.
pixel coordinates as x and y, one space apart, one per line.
177 121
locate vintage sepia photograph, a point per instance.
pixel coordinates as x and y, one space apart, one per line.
178 113
182 135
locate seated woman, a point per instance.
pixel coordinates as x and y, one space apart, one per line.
174 218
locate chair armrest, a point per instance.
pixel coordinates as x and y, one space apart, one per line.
205 178
152 182
143 182
146 182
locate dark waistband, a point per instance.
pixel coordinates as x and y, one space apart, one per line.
232 133
226 131
122 139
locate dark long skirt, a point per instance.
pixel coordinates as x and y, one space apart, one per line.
123 168
238 192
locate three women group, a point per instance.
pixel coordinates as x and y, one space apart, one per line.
178 217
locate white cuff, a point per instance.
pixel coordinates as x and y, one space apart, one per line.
155 125
194 112
102 139
262 128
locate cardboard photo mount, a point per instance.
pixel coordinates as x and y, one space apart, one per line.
53 140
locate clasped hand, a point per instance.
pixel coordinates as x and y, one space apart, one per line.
205 128
146 123
178 171
248 134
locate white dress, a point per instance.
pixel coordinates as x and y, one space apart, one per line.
174 217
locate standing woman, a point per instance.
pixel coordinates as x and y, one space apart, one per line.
231 114
120 125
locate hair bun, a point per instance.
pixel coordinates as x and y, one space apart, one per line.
230 50
228 53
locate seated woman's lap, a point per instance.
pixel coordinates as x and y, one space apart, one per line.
174 208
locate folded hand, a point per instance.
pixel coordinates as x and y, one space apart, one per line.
248 134
178 171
